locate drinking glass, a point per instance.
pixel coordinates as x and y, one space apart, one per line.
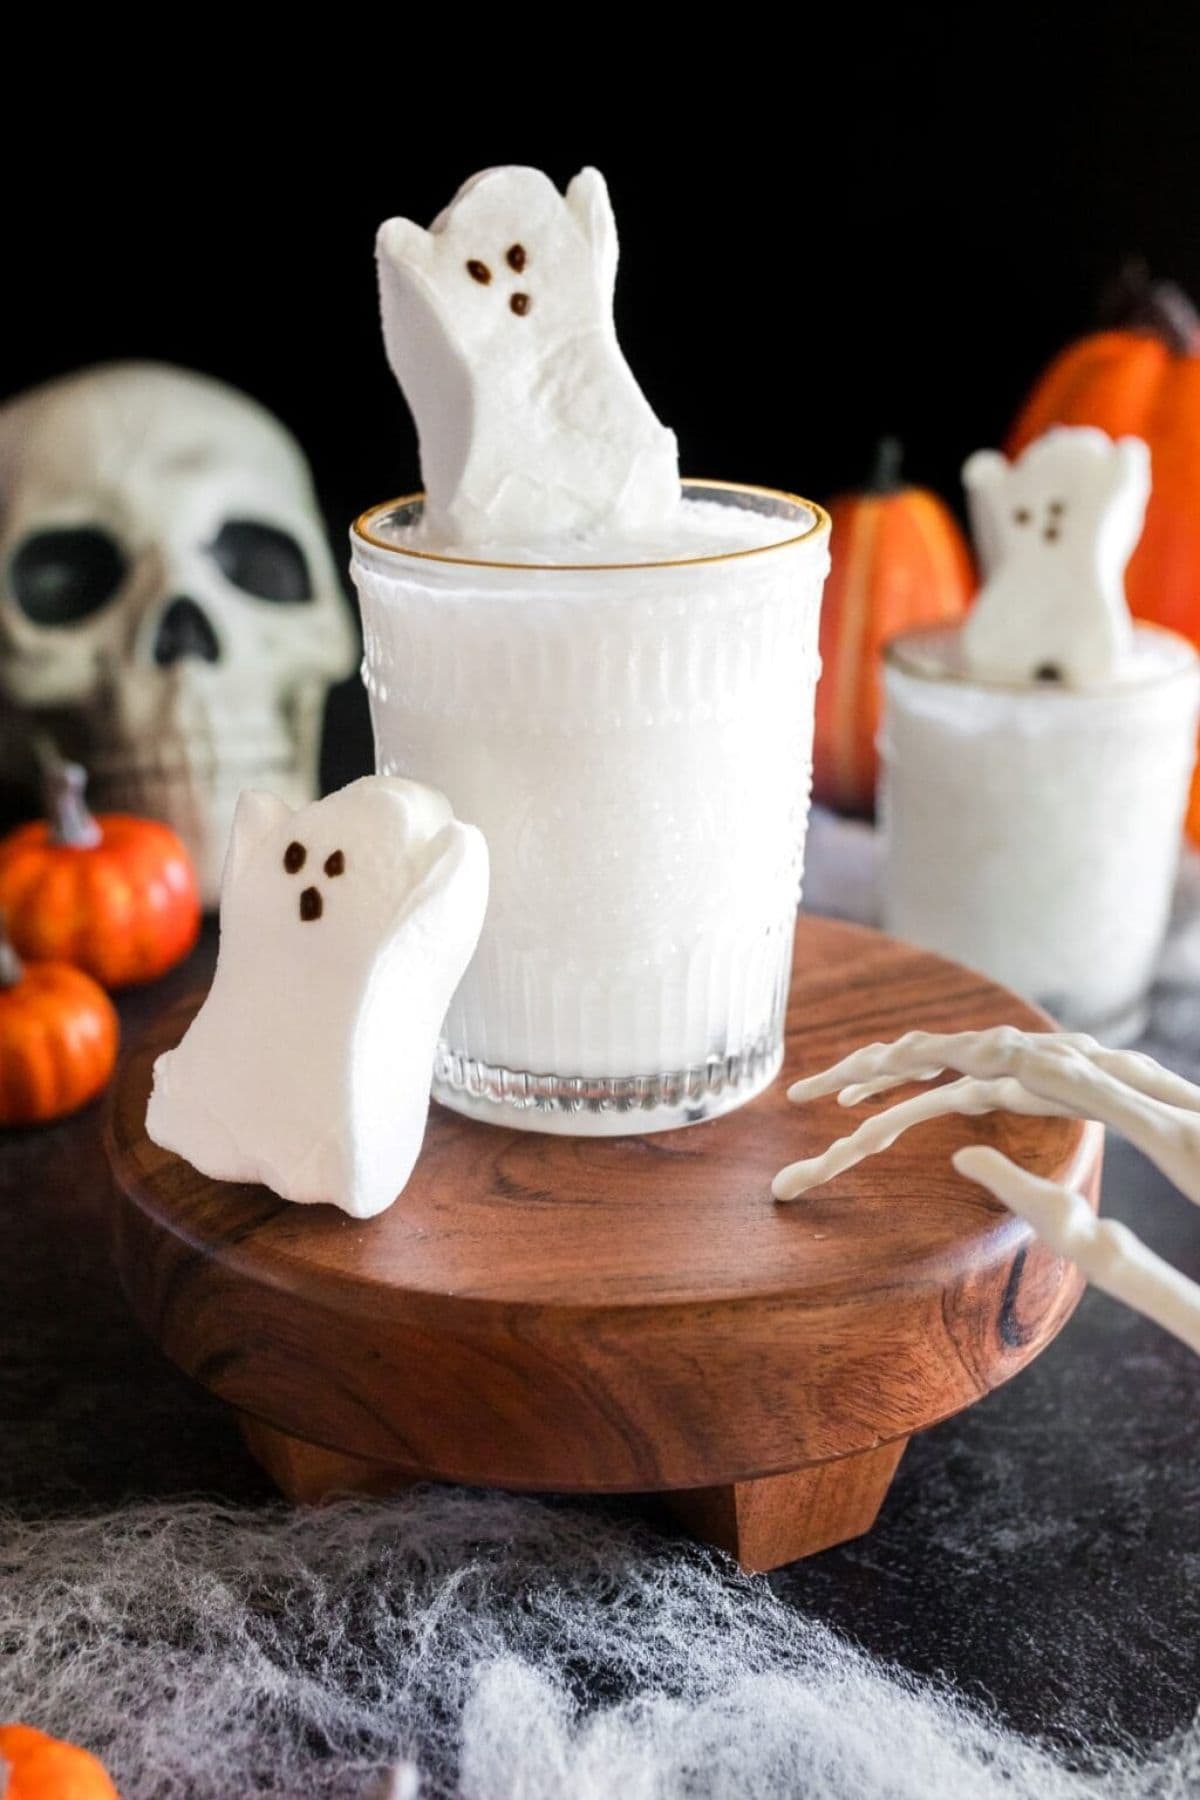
634 740
1034 832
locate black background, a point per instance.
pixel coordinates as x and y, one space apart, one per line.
833 225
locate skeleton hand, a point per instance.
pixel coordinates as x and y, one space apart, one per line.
1057 1075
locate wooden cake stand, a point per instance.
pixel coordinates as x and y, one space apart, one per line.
607 1315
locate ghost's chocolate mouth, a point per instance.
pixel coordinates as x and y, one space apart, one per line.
295 856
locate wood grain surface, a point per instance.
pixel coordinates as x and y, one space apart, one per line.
625 1314
779 1518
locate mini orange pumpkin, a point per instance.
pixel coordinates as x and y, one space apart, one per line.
58 1039
115 895
1141 377
40 1767
898 559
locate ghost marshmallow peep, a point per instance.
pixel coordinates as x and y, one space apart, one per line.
498 323
345 927
1055 530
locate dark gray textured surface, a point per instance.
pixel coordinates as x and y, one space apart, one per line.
1041 1551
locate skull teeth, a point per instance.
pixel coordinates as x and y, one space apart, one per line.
127 766
153 786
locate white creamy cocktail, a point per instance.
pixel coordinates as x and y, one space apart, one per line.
1035 762
634 743
611 677
1034 832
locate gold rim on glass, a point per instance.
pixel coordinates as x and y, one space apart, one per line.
893 655
363 528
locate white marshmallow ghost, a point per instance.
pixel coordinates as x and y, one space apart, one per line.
499 327
1055 530
345 927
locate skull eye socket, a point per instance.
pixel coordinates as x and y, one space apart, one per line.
262 561
60 577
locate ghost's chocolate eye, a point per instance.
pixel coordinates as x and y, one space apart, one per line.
1021 516
517 258
294 858
1047 672
479 271
1057 506
520 304
335 863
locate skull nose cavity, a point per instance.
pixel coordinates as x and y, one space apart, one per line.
183 631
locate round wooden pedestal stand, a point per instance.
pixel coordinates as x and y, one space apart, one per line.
604 1315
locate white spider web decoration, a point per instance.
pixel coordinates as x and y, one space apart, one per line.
215 1651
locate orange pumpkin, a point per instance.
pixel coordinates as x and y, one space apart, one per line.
114 895
898 559
40 1767
1141 377
58 1039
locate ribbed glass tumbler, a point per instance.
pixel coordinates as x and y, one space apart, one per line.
634 740
1033 832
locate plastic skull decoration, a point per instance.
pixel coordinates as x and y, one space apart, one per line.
169 608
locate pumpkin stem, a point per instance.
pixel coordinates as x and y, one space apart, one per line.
1132 301
63 787
885 477
12 969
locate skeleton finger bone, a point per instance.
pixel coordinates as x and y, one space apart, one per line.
1105 1251
879 1132
914 1057
992 1053
917 1056
985 1054
1157 1111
